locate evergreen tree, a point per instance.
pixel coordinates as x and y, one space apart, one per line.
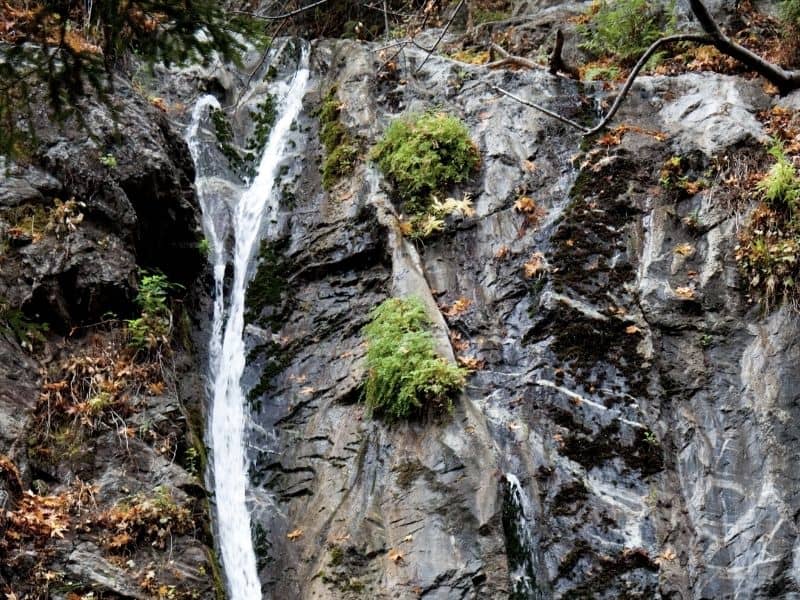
67 45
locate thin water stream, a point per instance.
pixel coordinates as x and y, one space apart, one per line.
239 214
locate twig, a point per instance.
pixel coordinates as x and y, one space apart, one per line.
280 17
441 36
671 39
549 113
557 63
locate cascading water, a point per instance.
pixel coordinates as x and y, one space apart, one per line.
521 548
245 211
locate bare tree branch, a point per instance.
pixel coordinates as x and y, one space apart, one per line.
546 111
441 36
557 64
784 80
683 37
510 59
280 17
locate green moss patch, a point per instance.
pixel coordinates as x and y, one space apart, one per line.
341 150
406 377
423 155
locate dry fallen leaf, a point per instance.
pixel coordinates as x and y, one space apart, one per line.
525 204
458 307
471 363
159 103
395 555
684 249
668 555
406 228
501 253
685 293
535 265
293 535
631 329
459 344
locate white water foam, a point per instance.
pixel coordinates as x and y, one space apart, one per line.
226 347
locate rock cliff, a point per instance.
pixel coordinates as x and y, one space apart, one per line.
627 429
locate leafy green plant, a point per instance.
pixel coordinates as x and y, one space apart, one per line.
406 377
768 252
204 246
601 73
152 329
781 185
109 160
425 154
30 335
624 29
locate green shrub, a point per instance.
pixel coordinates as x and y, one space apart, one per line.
625 29
425 154
781 185
406 377
153 328
483 15
768 252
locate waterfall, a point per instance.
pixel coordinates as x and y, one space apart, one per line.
230 211
521 547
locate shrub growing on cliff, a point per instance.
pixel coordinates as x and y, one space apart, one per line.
406 377
425 154
625 29
768 252
781 185
790 12
152 329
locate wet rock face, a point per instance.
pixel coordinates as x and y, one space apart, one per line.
102 438
645 406
131 177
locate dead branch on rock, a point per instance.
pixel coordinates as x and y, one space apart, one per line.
441 36
557 64
785 81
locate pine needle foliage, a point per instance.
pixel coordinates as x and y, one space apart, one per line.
790 12
69 48
406 377
425 154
